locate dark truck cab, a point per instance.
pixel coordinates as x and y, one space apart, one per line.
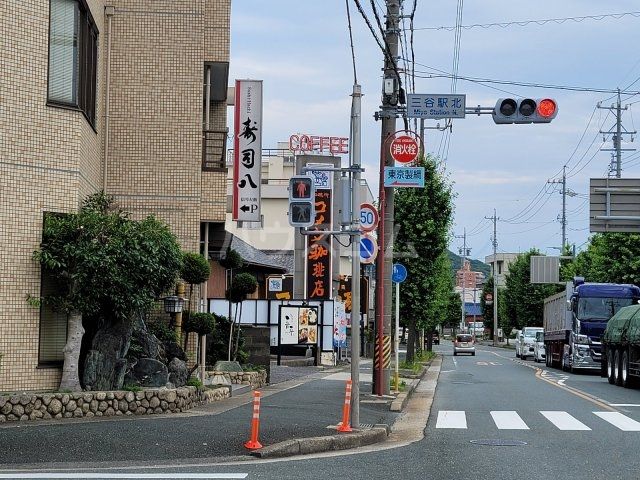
573 331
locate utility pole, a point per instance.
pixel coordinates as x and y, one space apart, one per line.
390 100
616 161
464 251
563 220
495 277
355 254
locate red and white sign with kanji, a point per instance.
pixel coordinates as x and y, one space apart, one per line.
404 149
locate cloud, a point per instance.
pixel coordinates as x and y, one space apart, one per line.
490 177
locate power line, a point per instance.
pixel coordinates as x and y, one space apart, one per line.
353 52
524 23
572 88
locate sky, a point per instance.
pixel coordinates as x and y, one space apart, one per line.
300 49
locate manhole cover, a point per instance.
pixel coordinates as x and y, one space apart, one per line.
499 443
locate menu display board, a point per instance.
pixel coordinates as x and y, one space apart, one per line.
298 325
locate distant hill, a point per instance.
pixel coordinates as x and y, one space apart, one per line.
476 265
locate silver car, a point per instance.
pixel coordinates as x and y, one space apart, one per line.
464 343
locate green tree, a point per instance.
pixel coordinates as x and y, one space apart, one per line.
243 284
609 258
109 267
422 220
524 300
195 270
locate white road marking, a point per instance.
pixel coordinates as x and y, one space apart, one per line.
619 420
125 475
564 421
495 363
451 419
624 404
482 363
508 420
455 363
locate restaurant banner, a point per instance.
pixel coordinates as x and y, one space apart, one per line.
344 293
319 245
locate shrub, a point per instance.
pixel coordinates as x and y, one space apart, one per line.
195 268
162 331
231 260
200 323
218 343
242 285
194 382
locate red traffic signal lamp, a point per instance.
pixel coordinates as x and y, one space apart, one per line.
525 110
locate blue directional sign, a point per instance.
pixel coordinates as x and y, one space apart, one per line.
399 273
404 177
368 249
429 105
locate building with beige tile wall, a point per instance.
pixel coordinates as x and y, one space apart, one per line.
58 142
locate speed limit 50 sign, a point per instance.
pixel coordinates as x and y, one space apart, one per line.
368 217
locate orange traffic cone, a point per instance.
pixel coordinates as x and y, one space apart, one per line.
346 410
253 443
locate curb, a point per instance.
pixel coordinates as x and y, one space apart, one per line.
305 446
403 397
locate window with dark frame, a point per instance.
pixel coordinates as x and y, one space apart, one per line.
73 57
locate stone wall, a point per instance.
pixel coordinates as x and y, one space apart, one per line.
104 404
255 379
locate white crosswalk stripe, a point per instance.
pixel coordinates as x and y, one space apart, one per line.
451 419
619 420
511 420
564 421
508 420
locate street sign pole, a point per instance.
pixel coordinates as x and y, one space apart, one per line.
397 373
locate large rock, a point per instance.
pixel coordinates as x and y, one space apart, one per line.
178 372
148 372
105 365
225 366
173 350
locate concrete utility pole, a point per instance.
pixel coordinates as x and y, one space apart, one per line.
495 276
563 220
355 254
616 161
465 252
390 101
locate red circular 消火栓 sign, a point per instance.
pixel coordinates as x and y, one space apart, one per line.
404 149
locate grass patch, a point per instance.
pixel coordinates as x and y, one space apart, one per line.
132 388
194 382
415 367
425 356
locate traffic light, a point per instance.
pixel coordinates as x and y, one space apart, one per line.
525 110
302 198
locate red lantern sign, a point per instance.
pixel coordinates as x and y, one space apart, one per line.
404 149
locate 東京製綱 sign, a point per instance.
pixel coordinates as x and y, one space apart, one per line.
404 177
247 151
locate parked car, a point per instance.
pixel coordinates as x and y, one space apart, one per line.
538 348
464 344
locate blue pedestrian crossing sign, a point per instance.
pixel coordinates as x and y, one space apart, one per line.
399 273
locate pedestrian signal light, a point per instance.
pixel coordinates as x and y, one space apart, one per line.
524 110
302 198
301 188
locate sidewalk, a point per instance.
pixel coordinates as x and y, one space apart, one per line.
299 406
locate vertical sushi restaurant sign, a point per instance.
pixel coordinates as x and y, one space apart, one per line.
319 245
298 325
247 151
